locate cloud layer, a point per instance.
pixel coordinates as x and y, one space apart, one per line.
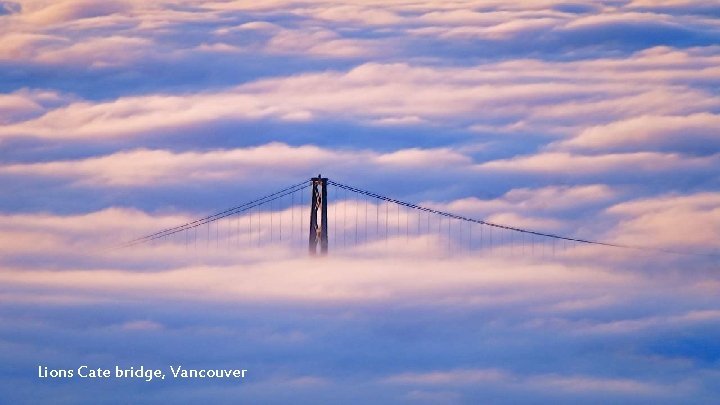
594 120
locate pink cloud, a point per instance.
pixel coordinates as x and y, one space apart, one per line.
571 164
536 200
148 167
586 384
542 382
141 325
653 322
47 13
362 280
671 221
449 378
529 95
650 133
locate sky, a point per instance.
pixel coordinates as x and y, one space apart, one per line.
590 119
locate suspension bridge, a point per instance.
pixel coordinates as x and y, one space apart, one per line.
323 215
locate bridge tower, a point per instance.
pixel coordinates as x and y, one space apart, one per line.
318 221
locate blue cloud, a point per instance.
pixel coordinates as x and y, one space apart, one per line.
593 119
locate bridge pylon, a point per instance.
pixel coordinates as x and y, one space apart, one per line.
318 220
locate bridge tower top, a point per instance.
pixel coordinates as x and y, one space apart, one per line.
318 220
